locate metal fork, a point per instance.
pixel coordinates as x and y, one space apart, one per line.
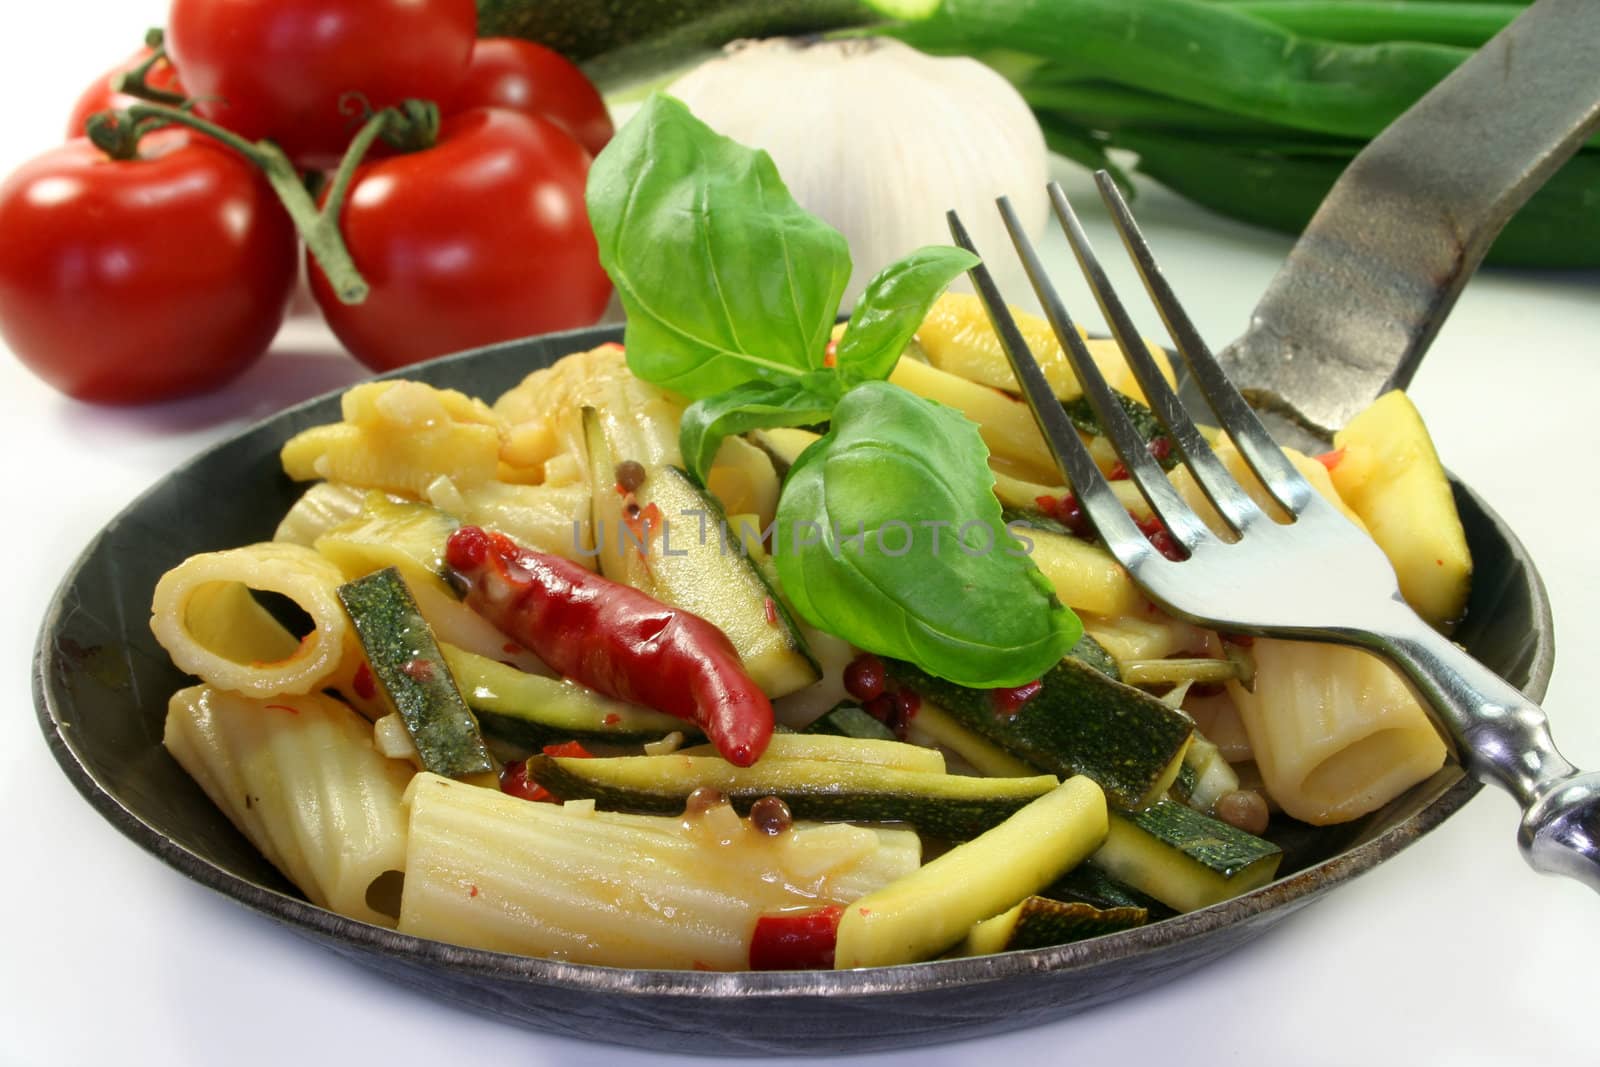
1315 578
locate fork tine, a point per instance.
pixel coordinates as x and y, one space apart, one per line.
1234 415
1093 492
1225 493
1184 525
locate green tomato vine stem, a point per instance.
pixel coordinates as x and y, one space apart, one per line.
412 126
136 82
118 134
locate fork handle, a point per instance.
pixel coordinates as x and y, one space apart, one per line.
1502 738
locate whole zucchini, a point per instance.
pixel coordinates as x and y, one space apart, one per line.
624 40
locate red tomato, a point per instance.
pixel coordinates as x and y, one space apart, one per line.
99 97
528 77
128 281
481 238
279 68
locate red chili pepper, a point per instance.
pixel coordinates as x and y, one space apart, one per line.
615 639
796 940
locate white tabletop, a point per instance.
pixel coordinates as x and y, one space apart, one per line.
1452 952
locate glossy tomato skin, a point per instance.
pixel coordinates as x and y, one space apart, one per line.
99 97
280 68
481 238
527 77
141 280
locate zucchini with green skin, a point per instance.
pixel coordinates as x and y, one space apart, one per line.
408 665
918 916
876 752
1145 423
1079 722
783 445
1088 884
1206 777
932 725
1183 858
533 710
618 42
849 720
665 538
1040 922
942 805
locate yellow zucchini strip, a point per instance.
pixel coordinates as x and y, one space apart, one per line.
924 913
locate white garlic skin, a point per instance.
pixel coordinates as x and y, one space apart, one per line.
881 140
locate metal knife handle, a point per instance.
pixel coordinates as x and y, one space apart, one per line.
1369 283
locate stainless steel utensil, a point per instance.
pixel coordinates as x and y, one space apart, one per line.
1370 281
1315 578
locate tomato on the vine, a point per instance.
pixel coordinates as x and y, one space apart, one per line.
284 69
481 238
527 77
125 281
99 97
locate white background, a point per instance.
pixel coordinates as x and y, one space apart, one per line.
1452 952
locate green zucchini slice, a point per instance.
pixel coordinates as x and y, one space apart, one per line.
1088 884
943 805
687 564
1185 859
879 752
1205 778
1040 922
930 910
407 663
783 445
1145 423
1080 722
533 710
850 720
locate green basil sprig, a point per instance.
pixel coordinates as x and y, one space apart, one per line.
889 536
891 308
731 291
730 285
725 279
755 405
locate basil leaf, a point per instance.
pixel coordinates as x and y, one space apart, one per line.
892 307
752 406
889 536
723 276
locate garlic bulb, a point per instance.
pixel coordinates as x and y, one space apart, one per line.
880 140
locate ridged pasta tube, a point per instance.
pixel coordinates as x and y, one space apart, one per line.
203 616
319 509
399 437
300 778
544 416
492 871
1335 731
